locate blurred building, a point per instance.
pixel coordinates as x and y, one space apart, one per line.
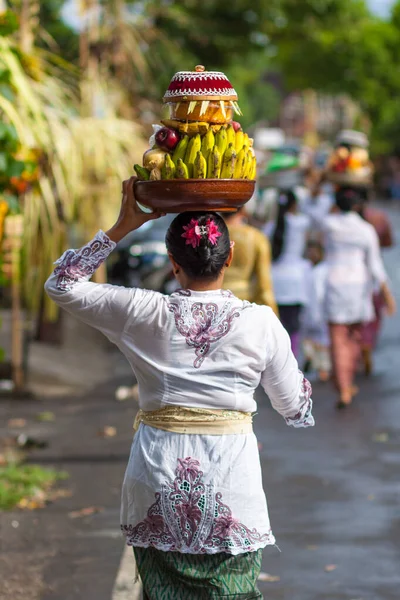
317 117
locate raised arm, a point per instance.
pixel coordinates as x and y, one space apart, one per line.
105 307
287 388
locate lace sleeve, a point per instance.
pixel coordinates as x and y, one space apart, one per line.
303 418
100 305
76 266
286 387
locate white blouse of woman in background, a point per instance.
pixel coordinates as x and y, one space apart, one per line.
288 235
354 271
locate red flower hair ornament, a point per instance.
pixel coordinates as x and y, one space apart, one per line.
194 233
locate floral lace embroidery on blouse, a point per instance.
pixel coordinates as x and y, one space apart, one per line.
190 517
78 265
202 324
304 417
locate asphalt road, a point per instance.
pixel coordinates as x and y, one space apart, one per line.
333 492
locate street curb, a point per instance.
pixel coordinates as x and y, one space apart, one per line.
125 587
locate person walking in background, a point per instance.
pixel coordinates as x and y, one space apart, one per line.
193 505
290 269
249 275
355 269
316 342
380 222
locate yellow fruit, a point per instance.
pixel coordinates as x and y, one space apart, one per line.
221 141
214 164
200 167
180 149
253 174
239 141
207 143
193 148
181 171
228 162
168 170
231 135
240 164
248 165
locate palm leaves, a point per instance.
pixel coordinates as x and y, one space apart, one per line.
85 157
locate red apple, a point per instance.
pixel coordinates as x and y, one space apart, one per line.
167 138
236 126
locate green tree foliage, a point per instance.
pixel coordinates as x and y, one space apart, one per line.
338 46
218 33
334 46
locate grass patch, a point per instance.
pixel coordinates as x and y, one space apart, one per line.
27 486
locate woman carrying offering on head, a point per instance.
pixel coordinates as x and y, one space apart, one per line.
355 270
193 505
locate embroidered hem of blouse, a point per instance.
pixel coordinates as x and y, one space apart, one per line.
189 517
75 266
304 417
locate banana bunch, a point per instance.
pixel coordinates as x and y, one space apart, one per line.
226 154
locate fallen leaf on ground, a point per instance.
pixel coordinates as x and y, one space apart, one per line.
108 431
27 504
312 547
37 499
267 577
16 423
46 416
330 568
382 438
61 493
85 512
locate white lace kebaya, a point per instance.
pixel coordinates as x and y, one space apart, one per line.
184 492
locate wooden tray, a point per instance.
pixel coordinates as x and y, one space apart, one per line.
183 195
354 179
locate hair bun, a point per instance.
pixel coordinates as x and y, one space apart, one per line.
199 243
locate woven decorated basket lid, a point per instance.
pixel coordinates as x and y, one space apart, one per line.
200 85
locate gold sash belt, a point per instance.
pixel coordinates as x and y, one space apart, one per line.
180 419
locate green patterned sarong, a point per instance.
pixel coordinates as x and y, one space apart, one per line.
177 576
